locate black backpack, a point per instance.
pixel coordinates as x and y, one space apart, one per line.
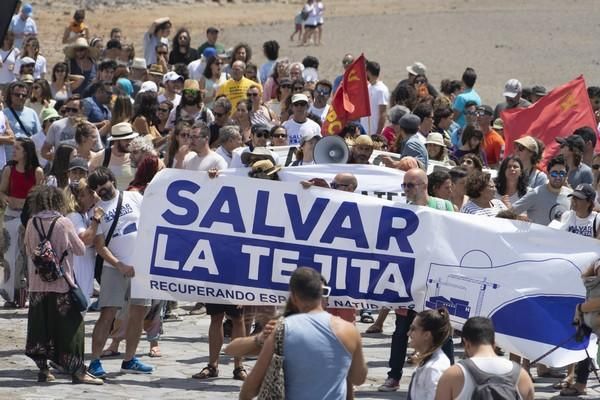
493 386
47 263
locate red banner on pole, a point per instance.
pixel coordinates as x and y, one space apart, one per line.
557 114
351 99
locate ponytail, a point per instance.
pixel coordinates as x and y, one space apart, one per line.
437 322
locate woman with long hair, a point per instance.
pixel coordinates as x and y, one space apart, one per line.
280 105
59 173
85 139
530 151
122 110
259 112
436 148
511 182
179 141
21 174
281 70
81 58
241 117
145 120
81 202
40 97
471 141
182 51
9 55
32 50
63 83
212 77
55 327
162 113
428 332
241 52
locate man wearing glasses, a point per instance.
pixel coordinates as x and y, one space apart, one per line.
201 157
320 108
299 125
546 203
24 121
259 138
63 130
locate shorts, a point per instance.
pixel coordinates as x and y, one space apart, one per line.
310 26
229 309
115 290
298 27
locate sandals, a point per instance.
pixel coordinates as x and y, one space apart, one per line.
572 391
240 374
366 317
45 376
155 352
564 384
207 372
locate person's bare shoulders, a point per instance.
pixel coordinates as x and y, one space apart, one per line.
450 384
346 333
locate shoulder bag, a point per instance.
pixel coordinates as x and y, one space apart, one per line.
99 260
273 385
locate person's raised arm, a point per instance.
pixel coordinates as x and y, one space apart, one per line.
251 385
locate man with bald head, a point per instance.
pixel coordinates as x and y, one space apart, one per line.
344 181
415 190
236 88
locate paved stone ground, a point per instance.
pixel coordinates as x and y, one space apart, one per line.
185 351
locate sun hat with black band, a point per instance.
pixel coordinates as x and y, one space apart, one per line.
78 163
584 191
122 131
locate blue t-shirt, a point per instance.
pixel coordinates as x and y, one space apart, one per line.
94 111
461 100
30 121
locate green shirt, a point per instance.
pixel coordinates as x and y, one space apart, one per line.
217 46
439 204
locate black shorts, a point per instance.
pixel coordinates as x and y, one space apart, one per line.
310 26
231 310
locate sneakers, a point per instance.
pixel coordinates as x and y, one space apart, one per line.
135 366
96 369
390 385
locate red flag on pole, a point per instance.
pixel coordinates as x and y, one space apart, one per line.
557 114
351 99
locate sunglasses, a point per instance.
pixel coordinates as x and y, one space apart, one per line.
298 88
301 104
218 114
470 112
184 135
556 174
71 110
335 185
190 92
323 92
286 86
20 95
326 291
262 134
252 94
409 185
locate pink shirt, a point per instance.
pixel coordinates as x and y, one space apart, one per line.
64 237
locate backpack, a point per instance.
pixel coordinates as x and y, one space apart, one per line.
44 257
493 386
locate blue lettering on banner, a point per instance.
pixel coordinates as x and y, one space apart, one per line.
268 264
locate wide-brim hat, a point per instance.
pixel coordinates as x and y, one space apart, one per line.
78 44
265 166
259 153
435 138
122 131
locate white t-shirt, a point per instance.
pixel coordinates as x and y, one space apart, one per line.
3 147
223 153
425 379
570 222
320 112
379 95
162 98
491 365
124 237
196 163
196 68
9 69
296 130
84 265
313 14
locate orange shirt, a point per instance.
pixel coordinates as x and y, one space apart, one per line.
493 146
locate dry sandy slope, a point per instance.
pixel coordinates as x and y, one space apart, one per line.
539 41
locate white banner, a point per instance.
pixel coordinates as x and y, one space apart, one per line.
237 240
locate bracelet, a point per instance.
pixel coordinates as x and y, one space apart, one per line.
259 343
96 220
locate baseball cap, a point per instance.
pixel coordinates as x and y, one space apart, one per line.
417 68
573 141
539 91
27 9
299 97
308 135
529 143
498 124
78 163
27 60
212 29
209 52
512 88
485 109
148 86
171 76
584 191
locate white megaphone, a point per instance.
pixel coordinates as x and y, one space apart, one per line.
331 150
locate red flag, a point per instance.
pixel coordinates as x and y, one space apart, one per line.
351 99
557 114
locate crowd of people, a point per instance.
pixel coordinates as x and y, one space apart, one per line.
81 141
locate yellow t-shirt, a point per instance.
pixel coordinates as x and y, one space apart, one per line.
236 90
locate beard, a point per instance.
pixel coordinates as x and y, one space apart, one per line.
106 194
187 101
122 148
